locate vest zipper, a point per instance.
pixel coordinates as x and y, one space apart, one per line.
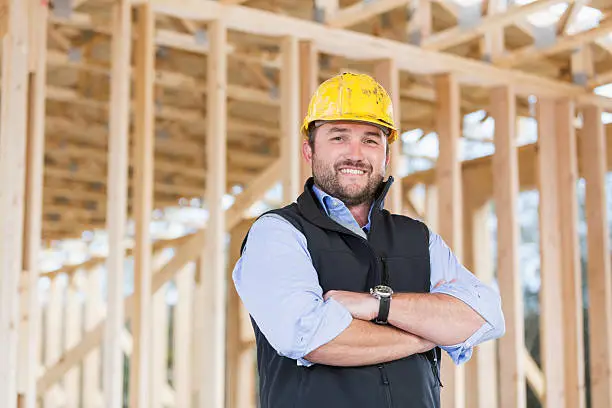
385 271
386 383
435 368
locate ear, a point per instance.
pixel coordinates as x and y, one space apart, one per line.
388 155
307 151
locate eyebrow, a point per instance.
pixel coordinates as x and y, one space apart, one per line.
338 129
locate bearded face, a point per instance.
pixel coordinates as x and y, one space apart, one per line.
349 160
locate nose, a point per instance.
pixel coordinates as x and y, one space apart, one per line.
355 151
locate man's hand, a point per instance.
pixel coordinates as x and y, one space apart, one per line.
362 306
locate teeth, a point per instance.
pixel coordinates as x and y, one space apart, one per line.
351 171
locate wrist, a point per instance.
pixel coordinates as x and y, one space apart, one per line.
382 294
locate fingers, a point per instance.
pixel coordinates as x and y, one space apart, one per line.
442 282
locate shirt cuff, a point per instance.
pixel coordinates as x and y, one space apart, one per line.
462 352
334 321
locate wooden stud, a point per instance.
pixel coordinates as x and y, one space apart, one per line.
481 370
450 212
73 333
571 271
117 201
505 183
492 44
141 323
158 357
593 146
183 315
93 314
582 65
53 336
236 382
309 74
212 287
29 355
387 74
13 136
419 27
290 122
551 321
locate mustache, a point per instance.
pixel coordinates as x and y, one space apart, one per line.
360 165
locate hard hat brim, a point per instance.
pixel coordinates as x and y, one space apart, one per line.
388 130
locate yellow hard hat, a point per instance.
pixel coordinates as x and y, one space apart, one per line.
351 96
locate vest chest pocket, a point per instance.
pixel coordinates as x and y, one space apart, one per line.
341 270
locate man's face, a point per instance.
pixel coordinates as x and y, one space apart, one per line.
348 160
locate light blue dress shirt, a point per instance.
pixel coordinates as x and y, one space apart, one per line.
277 283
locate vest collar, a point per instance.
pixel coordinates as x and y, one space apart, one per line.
310 206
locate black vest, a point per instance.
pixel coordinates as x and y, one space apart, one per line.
346 261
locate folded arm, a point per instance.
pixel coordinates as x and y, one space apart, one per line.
279 287
457 314
365 343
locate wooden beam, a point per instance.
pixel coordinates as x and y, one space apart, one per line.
505 171
290 118
13 135
30 338
212 378
387 74
458 35
571 271
362 11
534 375
117 201
531 52
450 208
593 146
582 65
142 318
569 15
342 43
551 321
493 43
419 26
309 74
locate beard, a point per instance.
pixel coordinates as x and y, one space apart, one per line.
328 179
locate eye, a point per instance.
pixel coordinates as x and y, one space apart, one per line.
372 141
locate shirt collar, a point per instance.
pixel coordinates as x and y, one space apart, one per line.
330 203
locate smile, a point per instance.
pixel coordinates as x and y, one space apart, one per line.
352 171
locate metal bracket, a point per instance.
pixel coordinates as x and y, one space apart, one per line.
201 37
544 37
62 8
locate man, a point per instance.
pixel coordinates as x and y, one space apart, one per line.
350 304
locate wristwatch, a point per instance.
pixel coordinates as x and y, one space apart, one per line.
383 293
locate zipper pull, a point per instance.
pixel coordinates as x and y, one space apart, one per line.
434 368
383 374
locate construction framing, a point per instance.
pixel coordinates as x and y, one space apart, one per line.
111 109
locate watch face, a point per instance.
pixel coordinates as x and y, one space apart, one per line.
383 291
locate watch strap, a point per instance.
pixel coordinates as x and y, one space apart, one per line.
383 310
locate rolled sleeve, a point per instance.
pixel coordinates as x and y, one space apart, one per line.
465 286
279 287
